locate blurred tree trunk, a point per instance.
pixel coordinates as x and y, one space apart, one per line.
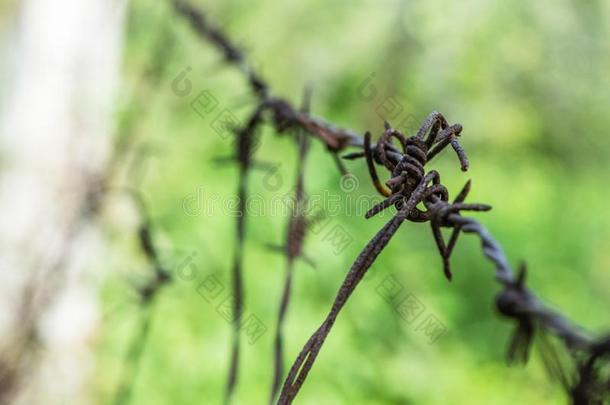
62 67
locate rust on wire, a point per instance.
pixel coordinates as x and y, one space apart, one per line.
148 293
296 231
408 185
284 114
408 188
245 141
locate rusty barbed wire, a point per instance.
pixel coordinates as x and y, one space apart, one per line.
408 187
589 355
592 380
160 277
296 231
284 114
283 117
243 155
147 292
408 174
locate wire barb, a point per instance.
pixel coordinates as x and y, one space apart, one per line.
297 227
409 186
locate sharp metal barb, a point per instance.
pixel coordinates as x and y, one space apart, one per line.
410 182
409 188
295 236
147 292
243 151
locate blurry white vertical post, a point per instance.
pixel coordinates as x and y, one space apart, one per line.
62 72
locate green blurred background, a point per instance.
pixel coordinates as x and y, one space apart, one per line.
529 82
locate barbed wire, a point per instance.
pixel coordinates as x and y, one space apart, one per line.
243 155
409 186
147 292
296 231
284 114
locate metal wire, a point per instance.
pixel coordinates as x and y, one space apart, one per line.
408 186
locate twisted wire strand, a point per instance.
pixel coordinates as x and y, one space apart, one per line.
243 153
439 135
285 114
295 236
304 361
524 301
592 384
410 196
148 293
515 302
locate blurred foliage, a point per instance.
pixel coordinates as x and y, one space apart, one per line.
529 81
